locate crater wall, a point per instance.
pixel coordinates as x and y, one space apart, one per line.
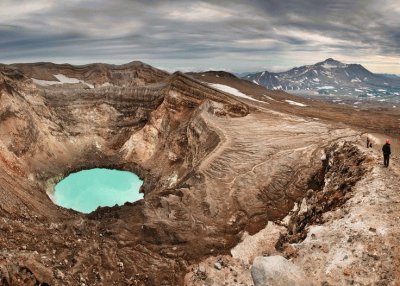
213 167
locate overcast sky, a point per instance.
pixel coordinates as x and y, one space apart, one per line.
200 35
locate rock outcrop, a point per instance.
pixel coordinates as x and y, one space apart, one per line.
277 271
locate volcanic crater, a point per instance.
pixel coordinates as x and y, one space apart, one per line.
214 166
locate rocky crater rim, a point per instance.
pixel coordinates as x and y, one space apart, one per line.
212 167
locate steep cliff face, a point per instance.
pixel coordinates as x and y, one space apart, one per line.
213 167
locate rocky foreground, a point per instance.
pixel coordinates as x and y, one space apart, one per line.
226 179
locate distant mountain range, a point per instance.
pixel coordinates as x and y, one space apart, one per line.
330 77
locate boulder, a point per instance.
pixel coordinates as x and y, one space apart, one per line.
277 271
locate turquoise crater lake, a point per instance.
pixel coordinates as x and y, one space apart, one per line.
86 190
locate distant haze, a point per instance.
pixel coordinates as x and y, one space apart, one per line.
201 35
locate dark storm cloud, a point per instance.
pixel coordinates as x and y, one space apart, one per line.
199 34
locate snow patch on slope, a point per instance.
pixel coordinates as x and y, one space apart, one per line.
291 102
329 66
326 87
61 79
232 91
44 82
64 79
268 97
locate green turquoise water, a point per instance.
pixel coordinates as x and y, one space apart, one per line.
86 190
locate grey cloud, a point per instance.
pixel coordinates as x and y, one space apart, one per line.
234 34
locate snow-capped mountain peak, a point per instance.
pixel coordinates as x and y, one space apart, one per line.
327 77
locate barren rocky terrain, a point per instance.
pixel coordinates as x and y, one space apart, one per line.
226 179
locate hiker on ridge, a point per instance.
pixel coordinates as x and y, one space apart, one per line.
386 153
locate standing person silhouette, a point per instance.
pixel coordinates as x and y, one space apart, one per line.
386 153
